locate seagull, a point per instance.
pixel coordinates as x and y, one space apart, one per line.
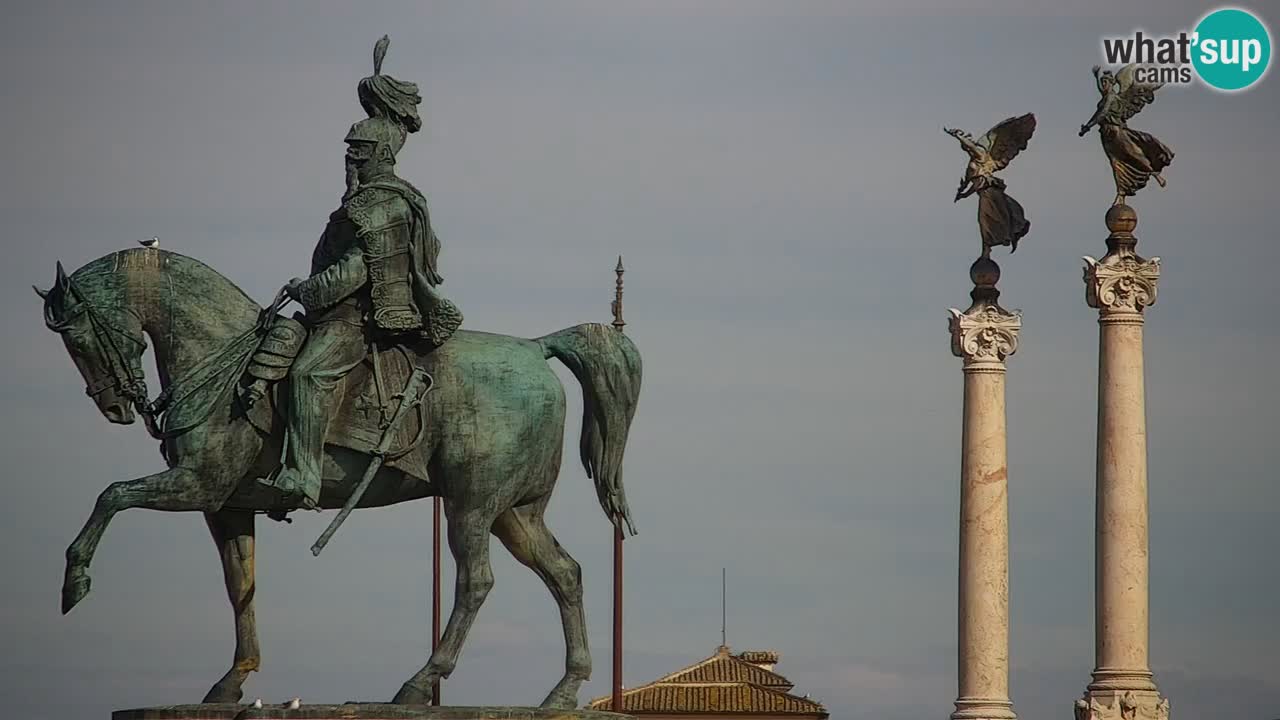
152 243
257 703
293 704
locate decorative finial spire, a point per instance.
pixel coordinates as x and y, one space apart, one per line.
618 322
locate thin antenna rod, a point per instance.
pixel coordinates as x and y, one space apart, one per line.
724 642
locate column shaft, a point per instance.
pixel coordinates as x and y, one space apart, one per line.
983 670
1121 559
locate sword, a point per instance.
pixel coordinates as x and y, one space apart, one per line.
419 384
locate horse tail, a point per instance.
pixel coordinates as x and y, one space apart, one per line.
607 365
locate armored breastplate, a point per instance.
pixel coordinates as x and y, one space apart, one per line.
383 227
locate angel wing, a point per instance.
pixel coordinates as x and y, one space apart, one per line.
1008 138
1130 95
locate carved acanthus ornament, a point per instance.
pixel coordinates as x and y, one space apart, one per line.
984 335
1122 284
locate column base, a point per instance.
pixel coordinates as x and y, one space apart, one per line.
1122 705
971 708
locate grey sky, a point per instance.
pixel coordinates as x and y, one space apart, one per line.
776 176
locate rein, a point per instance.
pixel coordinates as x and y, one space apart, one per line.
131 383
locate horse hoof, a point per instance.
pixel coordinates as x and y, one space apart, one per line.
73 591
227 690
563 697
555 703
411 694
219 694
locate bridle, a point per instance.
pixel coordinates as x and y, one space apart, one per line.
128 379
125 377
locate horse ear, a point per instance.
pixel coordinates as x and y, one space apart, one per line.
61 281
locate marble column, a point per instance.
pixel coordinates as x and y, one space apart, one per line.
983 336
1120 286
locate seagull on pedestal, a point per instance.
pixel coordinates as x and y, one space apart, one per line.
152 243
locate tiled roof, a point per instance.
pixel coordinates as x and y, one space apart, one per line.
720 684
722 668
736 698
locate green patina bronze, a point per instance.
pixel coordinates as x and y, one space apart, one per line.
1001 219
1135 156
264 414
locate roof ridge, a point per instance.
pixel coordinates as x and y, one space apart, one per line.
748 669
692 667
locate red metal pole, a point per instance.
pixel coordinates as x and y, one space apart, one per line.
617 615
435 588
618 324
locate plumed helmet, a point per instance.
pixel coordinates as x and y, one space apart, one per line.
384 96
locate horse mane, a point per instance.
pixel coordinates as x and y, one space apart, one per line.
144 258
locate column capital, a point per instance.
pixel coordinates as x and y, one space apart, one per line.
984 335
1122 705
1121 284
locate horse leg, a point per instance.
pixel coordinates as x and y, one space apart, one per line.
233 532
163 487
524 532
469 542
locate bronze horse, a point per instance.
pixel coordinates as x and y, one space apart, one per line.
494 431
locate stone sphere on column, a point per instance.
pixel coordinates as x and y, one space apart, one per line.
984 273
1122 219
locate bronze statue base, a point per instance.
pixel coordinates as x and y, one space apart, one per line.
357 711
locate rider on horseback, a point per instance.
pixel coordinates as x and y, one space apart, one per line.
372 279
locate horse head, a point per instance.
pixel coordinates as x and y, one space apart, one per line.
103 338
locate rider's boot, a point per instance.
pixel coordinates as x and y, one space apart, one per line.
299 477
295 490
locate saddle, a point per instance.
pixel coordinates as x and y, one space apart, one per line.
368 394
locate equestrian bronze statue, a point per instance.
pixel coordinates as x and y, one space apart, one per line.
371 397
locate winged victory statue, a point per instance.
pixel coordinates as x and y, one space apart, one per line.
1001 219
1136 156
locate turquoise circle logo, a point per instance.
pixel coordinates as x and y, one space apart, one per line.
1232 49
